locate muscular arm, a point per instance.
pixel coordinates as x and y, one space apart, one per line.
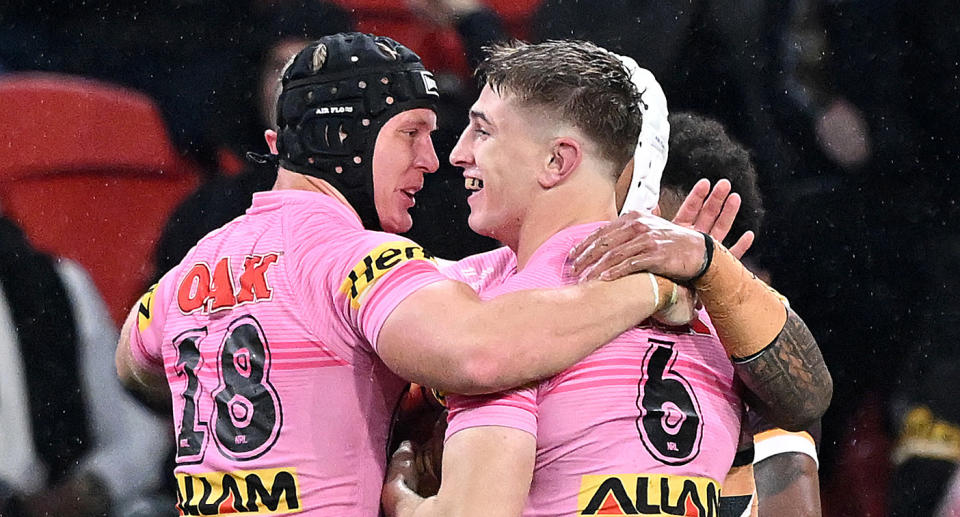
788 382
445 337
146 386
788 486
487 471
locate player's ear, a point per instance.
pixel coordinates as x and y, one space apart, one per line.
271 137
564 158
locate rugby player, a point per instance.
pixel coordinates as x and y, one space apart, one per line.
534 139
279 338
784 464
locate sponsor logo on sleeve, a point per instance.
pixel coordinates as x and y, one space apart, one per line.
276 491
378 262
145 309
648 495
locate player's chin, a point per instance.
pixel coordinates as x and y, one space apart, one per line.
478 223
398 223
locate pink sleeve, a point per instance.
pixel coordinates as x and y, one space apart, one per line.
390 291
370 274
516 409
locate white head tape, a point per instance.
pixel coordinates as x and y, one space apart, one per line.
651 155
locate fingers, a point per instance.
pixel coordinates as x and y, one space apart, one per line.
723 223
739 249
712 206
625 259
688 211
608 238
627 267
402 464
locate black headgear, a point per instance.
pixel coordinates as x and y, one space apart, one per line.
335 96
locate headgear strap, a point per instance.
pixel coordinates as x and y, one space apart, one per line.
650 157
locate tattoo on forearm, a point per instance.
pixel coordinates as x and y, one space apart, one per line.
789 382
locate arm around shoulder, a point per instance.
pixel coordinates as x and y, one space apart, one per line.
445 337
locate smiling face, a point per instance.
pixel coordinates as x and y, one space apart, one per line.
403 154
502 151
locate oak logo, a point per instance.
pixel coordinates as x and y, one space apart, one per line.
208 291
649 495
377 263
243 491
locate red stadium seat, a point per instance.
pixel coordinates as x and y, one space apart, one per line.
516 14
440 49
87 169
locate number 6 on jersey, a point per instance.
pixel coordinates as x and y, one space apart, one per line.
669 423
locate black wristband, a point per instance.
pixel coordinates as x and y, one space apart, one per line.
707 257
758 353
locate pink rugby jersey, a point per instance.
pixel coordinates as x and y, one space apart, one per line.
280 403
646 425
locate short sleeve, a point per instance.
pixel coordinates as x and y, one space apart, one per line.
364 274
516 409
146 336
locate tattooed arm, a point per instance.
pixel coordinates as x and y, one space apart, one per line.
788 381
773 351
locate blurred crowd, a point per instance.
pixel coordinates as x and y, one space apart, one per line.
850 109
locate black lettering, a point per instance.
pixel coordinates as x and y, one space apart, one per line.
388 259
353 284
665 505
409 251
186 497
230 486
690 490
206 507
282 483
643 497
614 486
713 501
368 272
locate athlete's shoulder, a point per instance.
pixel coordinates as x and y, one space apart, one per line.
483 270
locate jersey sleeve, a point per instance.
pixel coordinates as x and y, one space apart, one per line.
146 334
516 409
365 275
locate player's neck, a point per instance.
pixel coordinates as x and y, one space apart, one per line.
560 208
289 180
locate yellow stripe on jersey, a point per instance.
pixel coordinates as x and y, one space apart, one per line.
276 491
145 309
380 261
648 495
